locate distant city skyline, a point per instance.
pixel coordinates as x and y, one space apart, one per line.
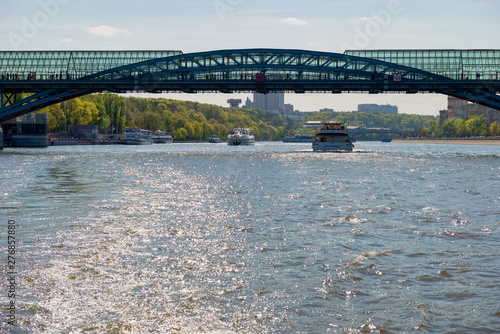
204 25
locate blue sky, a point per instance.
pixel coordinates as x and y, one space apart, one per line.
201 25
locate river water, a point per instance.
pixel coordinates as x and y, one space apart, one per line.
273 238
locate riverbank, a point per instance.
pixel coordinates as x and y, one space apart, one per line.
458 141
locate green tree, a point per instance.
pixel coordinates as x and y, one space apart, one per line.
179 120
56 117
79 112
459 125
422 131
184 119
447 128
433 129
180 134
150 120
167 120
162 107
206 130
213 112
198 130
190 130
256 131
117 113
476 125
494 129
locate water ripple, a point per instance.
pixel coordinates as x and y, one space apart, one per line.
196 238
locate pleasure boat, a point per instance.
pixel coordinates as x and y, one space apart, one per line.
133 136
160 137
214 139
298 139
332 137
240 136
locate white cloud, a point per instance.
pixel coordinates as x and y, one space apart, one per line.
67 40
363 19
293 21
107 31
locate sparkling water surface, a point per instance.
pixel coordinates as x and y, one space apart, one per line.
272 238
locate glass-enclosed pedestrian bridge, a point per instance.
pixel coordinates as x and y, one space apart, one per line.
54 76
57 65
453 64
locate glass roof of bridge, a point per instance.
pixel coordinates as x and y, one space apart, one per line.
77 64
455 64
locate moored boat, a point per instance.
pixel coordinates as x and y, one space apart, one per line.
332 137
240 136
133 136
298 139
160 137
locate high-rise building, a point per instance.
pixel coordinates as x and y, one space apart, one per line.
288 108
269 102
274 103
248 103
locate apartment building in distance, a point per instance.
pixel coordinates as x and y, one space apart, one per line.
458 108
386 109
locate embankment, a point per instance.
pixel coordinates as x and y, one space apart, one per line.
459 141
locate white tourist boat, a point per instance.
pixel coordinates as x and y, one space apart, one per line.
133 136
240 136
160 137
332 137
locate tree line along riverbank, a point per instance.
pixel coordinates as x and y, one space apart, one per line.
456 140
187 120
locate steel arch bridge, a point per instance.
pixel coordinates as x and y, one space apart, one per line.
51 77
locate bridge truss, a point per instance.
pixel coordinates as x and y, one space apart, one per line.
50 78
